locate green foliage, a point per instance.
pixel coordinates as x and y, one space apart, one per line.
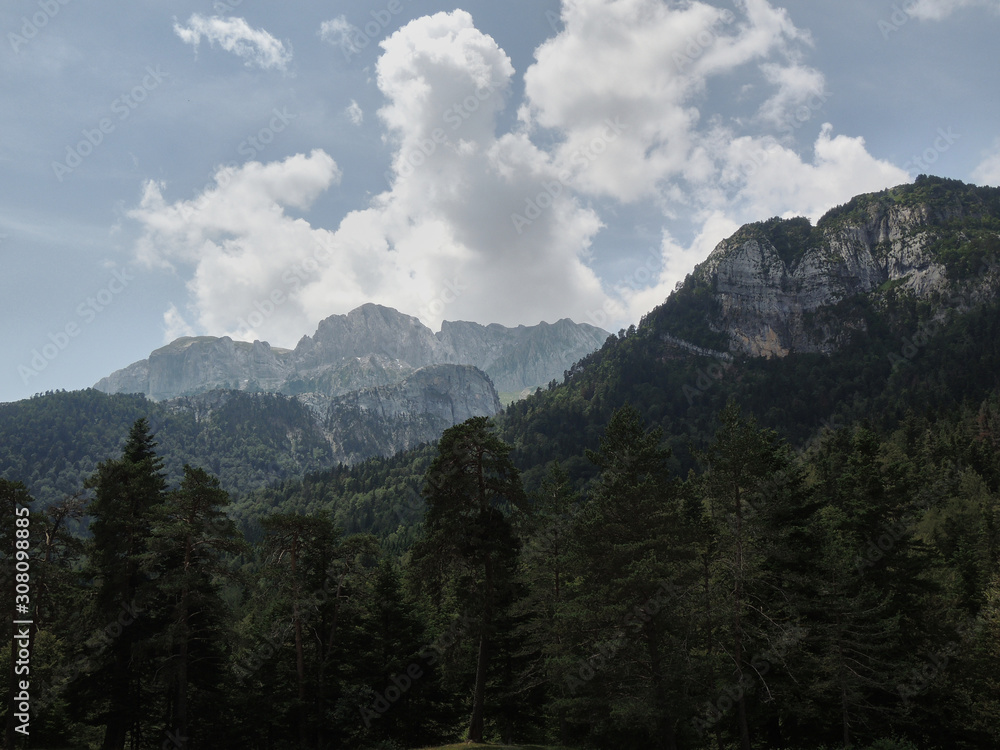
52 442
792 238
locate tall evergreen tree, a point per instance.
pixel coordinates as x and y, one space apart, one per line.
469 549
128 494
303 544
190 538
633 549
754 497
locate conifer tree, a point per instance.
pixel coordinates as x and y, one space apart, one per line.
469 549
635 561
190 537
128 494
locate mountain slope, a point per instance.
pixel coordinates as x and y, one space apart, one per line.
775 287
369 346
384 420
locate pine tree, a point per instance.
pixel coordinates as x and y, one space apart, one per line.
635 559
759 513
469 549
191 536
304 544
128 494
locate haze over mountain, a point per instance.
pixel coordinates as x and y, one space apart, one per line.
370 346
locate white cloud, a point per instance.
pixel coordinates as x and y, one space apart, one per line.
653 64
354 113
647 63
937 10
988 171
798 86
440 244
174 325
240 242
341 33
256 46
489 226
776 181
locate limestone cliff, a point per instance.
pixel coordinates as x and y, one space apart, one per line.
776 285
386 419
369 346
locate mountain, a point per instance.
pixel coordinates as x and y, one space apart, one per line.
384 420
52 442
369 346
885 311
778 286
887 306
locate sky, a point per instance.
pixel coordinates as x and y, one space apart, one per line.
246 168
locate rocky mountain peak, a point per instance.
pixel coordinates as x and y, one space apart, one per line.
771 288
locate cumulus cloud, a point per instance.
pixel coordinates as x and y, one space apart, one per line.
174 325
937 10
492 226
647 62
256 46
654 65
797 86
440 244
988 170
241 243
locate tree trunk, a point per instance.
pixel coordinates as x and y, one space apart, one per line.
181 706
300 663
482 662
664 721
479 694
741 704
711 645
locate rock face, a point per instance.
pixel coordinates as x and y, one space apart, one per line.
772 301
369 346
197 364
377 381
390 418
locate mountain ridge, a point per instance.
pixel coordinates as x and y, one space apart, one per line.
387 344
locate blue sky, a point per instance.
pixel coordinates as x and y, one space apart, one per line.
246 168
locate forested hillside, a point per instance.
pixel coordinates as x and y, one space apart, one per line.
843 596
53 441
